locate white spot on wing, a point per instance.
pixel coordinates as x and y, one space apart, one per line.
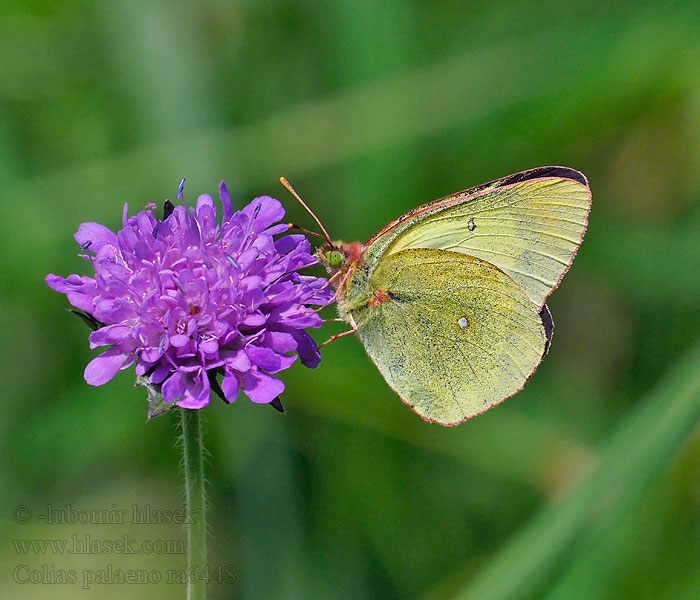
463 322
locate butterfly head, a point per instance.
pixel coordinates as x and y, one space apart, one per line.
339 256
335 259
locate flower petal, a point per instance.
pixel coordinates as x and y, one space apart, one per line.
261 387
276 229
111 334
238 361
96 235
263 211
160 373
229 386
179 340
306 348
196 394
204 200
173 387
280 341
80 291
268 359
105 366
225 202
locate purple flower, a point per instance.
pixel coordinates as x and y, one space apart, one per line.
186 299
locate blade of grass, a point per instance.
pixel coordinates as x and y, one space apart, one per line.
636 454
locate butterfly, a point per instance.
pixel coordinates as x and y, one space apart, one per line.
449 298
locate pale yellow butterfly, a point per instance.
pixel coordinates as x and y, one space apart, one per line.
449 299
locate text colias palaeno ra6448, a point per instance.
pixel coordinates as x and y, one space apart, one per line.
449 299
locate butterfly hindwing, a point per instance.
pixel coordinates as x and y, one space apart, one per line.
451 333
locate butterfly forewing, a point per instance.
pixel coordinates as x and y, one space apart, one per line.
529 225
452 335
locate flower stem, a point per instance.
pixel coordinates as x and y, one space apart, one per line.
195 504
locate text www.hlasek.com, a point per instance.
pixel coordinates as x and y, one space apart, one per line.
87 544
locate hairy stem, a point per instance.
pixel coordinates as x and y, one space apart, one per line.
195 503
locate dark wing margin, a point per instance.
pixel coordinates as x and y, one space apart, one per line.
548 325
563 172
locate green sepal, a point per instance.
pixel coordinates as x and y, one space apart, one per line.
156 405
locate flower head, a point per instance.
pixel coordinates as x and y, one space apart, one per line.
187 299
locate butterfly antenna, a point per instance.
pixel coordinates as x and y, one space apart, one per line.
285 183
304 230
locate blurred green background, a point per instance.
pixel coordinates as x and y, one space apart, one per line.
585 485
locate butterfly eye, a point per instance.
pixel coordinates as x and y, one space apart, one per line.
335 259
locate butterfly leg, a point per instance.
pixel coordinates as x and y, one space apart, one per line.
337 290
335 337
323 287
